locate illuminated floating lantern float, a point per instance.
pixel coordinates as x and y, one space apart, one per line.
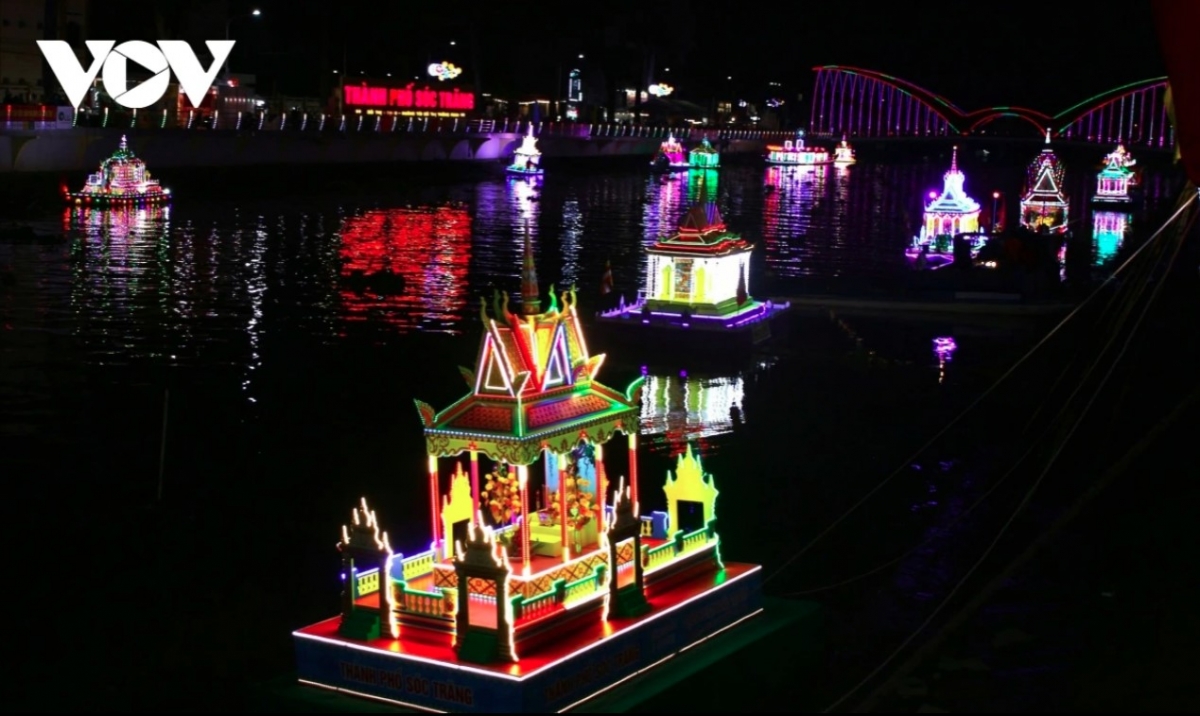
947 215
1115 180
538 567
671 156
704 156
1044 206
527 159
123 180
795 153
843 154
697 286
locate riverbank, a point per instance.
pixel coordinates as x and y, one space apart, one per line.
82 149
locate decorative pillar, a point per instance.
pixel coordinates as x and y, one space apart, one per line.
562 513
633 473
523 478
438 551
601 489
475 515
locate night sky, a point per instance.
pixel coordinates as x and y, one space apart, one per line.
1017 53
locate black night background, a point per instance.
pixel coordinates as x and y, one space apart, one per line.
192 404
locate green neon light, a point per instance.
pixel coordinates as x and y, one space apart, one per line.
1116 91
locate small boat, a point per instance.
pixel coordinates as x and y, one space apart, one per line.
527 159
843 154
123 180
671 156
704 156
793 152
1116 179
384 282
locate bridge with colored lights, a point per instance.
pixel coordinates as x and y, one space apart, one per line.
860 103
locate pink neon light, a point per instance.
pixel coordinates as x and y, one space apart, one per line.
409 97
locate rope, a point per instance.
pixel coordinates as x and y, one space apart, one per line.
1032 490
1008 373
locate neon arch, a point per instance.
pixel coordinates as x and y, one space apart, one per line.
854 100
1132 114
982 117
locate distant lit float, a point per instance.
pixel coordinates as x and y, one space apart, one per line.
1044 207
843 154
671 156
696 285
123 180
1115 180
947 215
793 152
704 156
527 159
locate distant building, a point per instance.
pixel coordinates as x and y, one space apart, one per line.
24 75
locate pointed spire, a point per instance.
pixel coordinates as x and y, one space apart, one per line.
1047 136
531 303
954 160
124 145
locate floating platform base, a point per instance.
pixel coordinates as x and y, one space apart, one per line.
521 172
637 332
670 681
557 678
112 200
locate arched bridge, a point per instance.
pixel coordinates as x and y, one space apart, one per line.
855 102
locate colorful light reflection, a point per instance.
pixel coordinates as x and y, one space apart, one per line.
791 194
1109 229
680 408
943 350
430 248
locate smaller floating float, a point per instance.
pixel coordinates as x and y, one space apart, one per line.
1116 178
795 153
527 159
1044 206
704 156
671 156
123 180
843 154
947 215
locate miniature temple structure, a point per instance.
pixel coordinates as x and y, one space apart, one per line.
704 156
698 276
671 155
1115 179
948 214
796 153
538 567
843 153
122 180
527 158
1044 207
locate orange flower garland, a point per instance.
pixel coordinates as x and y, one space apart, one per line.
502 495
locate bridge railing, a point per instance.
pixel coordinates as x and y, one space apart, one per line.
46 118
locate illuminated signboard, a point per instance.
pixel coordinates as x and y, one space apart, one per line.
444 70
660 89
425 99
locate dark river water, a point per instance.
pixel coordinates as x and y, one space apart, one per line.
287 395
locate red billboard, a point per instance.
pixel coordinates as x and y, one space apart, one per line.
410 99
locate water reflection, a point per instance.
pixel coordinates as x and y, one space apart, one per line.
702 183
430 248
524 193
118 264
681 408
790 196
256 291
1109 229
943 351
571 232
666 200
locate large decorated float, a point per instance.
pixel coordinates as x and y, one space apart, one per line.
122 180
543 582
1044 206
671 156
1115 180
947 215
527 158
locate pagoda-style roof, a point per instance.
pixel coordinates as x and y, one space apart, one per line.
701 232
953 199
705 147
534 386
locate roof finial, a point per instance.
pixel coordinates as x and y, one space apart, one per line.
531 303
1047 135
954 159
124 144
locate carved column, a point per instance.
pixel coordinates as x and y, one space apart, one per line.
434 517
633 471
475 486
523 480
482 640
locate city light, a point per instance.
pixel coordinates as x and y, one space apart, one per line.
660 89
444 70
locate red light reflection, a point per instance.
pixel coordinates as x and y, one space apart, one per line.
430 248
